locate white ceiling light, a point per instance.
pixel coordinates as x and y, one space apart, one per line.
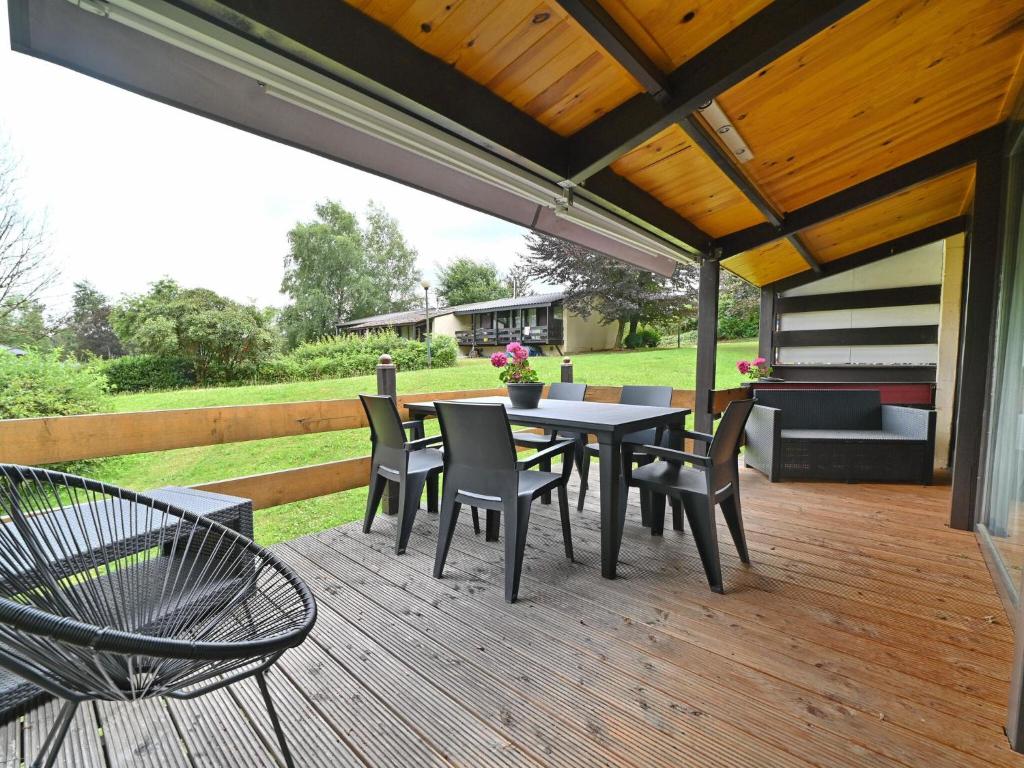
726 131
288 81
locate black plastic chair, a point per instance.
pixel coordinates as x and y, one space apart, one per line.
482 470
630 395
713 480
557 391
408 465
106 594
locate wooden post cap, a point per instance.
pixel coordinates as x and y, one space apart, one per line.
566 361
384 360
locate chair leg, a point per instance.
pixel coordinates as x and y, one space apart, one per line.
476 521
657 514
705 533
409 497
584 478
261 680
563 511
517 520
493 525
432 492
55 738
377 485
445 529
734 519
645 508
677 515
545 466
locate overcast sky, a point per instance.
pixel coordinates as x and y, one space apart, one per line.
133 190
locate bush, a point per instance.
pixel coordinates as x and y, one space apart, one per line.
645 337
44 384
141 373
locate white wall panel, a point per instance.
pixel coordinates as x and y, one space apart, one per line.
874 317
906 354
921 266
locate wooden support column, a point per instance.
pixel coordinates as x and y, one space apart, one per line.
766 326
707 343
977 338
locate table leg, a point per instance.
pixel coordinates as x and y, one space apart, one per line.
612 508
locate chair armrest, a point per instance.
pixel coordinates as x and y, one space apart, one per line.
562 446
912 423
703 436
670 454
423 442
762 436
415 427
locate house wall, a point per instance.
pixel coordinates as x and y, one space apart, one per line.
587 335
949 342
448 324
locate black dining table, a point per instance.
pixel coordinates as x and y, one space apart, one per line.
610 423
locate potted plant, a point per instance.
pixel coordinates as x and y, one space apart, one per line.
756 369
524 389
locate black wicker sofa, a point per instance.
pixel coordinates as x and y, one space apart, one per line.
845 435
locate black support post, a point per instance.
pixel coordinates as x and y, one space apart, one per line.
387 377
567 370
766 326
977 337
707 343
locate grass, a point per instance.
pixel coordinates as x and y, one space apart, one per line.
186 466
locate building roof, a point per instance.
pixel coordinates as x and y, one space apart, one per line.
417 315
386 320
16 351
520 302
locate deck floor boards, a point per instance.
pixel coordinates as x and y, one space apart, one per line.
864 633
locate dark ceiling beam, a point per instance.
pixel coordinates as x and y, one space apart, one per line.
942 161
748 48
805 253
902 244
599 24
375 59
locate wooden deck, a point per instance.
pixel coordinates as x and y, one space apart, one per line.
865 633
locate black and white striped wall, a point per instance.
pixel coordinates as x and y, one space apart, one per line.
881 314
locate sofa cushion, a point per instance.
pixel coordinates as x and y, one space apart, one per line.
843 434
856 409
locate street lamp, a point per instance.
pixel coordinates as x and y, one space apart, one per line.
426 306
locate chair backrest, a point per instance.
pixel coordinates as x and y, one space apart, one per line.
479 455
564 391
385 422
730 429
825 408
643 394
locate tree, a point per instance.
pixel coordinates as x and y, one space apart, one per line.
739 308
24 257
617 291
464 281
392 262
517 280
335 270
22 324
88 327
221 338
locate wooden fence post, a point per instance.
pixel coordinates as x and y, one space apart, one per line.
567 370
387 379
387 384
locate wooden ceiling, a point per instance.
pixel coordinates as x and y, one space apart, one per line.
890 82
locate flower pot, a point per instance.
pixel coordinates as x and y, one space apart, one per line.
525 395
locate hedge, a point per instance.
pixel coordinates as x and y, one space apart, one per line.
42 383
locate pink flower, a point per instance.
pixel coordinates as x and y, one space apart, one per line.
499 360
760 361
743 366
518 351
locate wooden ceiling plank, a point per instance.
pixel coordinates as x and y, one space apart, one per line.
744 50
940 162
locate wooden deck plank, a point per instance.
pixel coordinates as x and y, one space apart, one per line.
83 744
521 651
630 624
217 732
865 633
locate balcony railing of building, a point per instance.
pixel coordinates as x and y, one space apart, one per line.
534 334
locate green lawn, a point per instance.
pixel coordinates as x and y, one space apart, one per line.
186 466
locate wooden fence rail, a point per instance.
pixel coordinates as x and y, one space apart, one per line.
71 438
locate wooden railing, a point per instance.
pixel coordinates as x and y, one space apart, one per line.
57 439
